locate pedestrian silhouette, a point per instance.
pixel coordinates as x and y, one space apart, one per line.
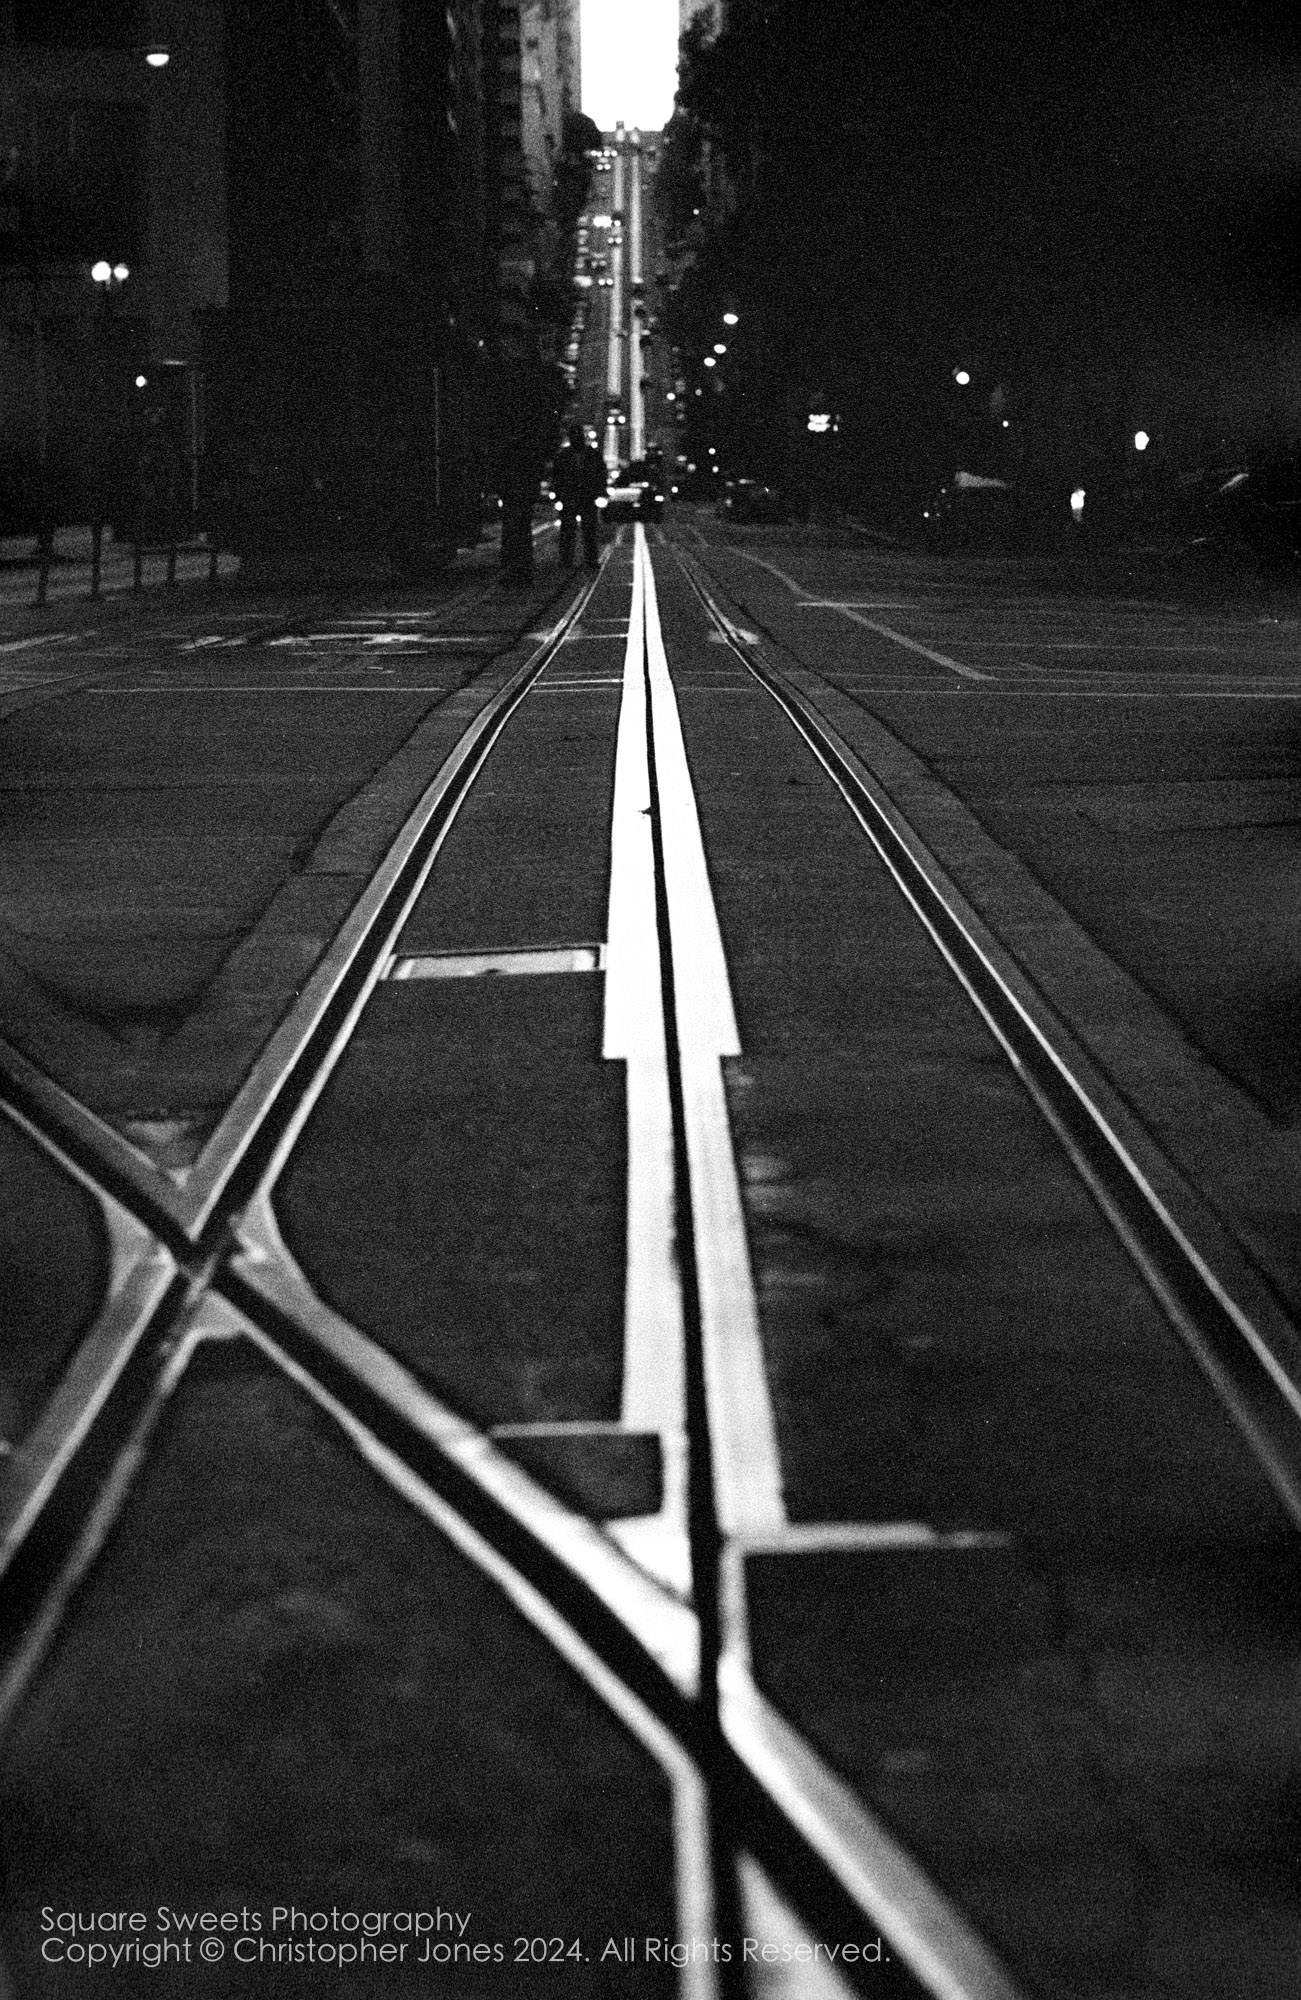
578 481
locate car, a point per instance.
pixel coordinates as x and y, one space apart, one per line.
982 513
750 500
629 499
623 499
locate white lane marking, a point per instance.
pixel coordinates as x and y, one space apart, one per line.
915 646
1121 646
853 604
408 639
561 1427
12 682
873 625
1038 691
474 964
706 1018
268 687
462 640
743 1434
41 639
867 1537
653 1381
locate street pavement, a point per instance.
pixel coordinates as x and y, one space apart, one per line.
1013 1569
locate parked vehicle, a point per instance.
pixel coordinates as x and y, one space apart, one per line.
1248 509
750 500
979 513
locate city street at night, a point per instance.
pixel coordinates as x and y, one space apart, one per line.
649 1075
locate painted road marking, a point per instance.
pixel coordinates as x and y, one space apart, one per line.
869 1537
654 1327
41 639
653 1382
874 625
267 687
383 639
512 963
743 1433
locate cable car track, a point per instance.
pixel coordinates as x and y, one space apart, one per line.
201 1259
1246 1345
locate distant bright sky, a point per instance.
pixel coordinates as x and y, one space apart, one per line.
630 62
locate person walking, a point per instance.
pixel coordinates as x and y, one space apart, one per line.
578 480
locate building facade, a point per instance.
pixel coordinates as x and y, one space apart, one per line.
111 161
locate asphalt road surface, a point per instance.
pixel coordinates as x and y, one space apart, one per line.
650 1280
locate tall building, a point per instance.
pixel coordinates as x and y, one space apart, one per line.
396 167
108 160
538 160
364 141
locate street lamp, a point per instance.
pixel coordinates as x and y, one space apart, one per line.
730 319
962 377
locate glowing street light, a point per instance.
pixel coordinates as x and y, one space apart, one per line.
730 319
710 361
962 377
720 347
1141 440
158 58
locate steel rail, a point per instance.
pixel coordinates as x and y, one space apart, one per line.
837 1865
1253 1369
294 1065
160 1264
181 1204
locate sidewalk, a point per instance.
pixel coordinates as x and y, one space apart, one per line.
70 567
